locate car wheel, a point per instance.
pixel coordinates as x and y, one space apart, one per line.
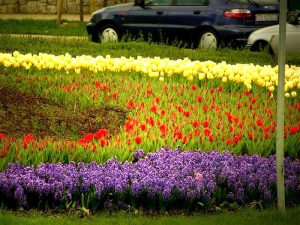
261 46
208 40
108 33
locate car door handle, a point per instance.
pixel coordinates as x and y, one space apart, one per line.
197 12
160 12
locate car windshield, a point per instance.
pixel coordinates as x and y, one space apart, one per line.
259 2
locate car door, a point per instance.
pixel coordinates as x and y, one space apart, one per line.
182 18
143 20
292 40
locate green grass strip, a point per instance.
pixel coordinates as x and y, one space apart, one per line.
247 216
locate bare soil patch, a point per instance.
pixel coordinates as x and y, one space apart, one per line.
21 114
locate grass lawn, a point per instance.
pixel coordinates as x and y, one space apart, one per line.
246 216
45 27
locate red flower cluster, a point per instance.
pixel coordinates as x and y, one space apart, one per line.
28 139
102 135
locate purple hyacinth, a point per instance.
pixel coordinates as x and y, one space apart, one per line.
138 154
192 175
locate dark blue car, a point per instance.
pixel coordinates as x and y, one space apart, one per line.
200 23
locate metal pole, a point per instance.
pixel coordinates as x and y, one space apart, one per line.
280 108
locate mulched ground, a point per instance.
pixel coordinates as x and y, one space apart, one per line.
21 114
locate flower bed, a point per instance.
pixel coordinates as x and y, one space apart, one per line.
247 74
163 180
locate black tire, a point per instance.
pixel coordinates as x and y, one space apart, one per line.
262 46
208 39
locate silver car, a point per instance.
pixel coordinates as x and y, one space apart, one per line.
268 37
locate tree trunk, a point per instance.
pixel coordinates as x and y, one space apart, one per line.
92 6
81 10
59 8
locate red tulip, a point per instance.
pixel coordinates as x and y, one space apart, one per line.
236 138
235 120
29 138
267 135
94 148
105 87
148 92
101 133
251 136
163 130
130 104
128 127
98 85
253 100
184 140
177 135
95 95
293 130
3 153
259 122
199 99
247 92
205 108
186 113
195 124
153 109
205 123
179 108
207 132
143 127
87 138
138 140
229 141
150 121
114 95
103 142
157 99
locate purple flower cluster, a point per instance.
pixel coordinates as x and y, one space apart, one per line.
190 175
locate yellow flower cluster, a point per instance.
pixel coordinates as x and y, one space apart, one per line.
248 74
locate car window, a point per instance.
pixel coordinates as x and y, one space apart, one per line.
191 2
158 2
255 1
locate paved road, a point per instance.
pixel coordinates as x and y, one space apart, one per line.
46 36
71 17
